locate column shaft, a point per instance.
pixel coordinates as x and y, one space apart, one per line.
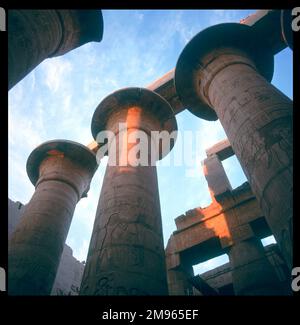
252 273
178 283
257 119
36 245
126 253
127 246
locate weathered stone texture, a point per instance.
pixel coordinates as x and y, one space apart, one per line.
126 253
215 175
36 245
34 35
70 270
257 118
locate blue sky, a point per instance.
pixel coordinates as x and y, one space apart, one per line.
57 101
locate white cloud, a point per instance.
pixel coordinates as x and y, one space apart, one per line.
81 253
79 247
58 99
222 16
32 77
139 16
19 185
56 71
210 134
67 103
23 131
86 207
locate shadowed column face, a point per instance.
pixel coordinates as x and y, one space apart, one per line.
34 35
256 117
126 253
258 122
37 243
178 282
252 273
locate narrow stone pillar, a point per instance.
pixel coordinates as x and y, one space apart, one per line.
177 271
215 175
224 73
61 172
252 273
34 35
126 254
178 283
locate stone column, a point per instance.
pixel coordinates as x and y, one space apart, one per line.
126 253
224 73
177 271
34 35
61 172
178 282
252 273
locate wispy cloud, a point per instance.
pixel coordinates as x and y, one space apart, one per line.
56 71
19 186
222 16
58 99
79 247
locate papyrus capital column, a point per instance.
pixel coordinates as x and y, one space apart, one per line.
225 72
61 172
126 254
34 35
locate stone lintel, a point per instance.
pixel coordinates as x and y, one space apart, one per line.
266 24
222 149
217 221
263 22
229 200
162 81
93 146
